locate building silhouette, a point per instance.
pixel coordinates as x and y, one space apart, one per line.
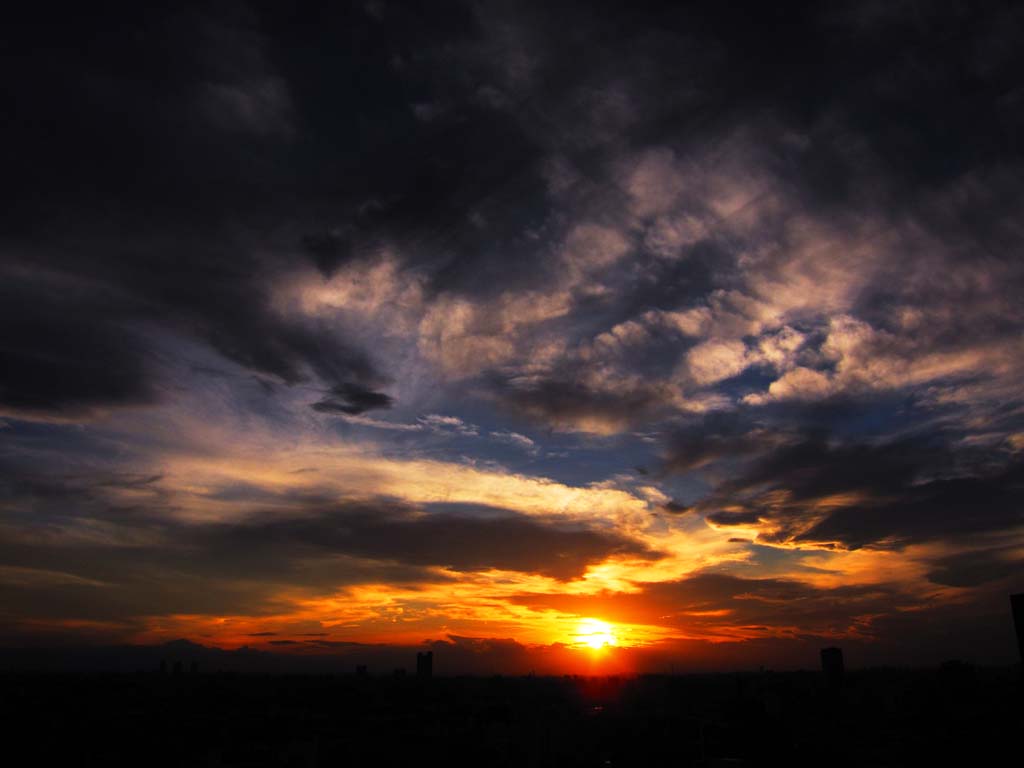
425 664
832 666
1017 604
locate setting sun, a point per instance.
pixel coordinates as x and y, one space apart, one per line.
594 633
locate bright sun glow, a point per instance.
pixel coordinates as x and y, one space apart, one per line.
594 633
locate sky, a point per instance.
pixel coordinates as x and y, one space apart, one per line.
552 336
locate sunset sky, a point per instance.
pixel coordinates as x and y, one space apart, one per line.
560 337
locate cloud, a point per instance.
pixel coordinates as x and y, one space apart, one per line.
160 266
571 405
591 247
714 437
458 542
714 361
978 567
102 560
654 182
449 425
652 238
396 426
811 491
67 354
351 399
516 439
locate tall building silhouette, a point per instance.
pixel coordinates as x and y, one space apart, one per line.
1017 604
832 666
425 664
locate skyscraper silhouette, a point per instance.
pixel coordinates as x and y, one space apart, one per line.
1017 604
425 664
832 666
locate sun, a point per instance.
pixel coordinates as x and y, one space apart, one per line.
596 634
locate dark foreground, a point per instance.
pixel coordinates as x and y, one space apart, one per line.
953 716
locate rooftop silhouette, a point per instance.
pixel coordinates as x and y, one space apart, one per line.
1017 606
956 715
425 664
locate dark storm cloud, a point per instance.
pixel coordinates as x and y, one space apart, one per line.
125 188
461 543
734 518
164 165
399 146
246 130
946 507
328 251
64 352
714 437
88 340
886 493
977 567
831 473
351 399
39 485
567 403
812 468
676 508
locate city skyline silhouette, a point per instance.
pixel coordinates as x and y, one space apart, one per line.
420 374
